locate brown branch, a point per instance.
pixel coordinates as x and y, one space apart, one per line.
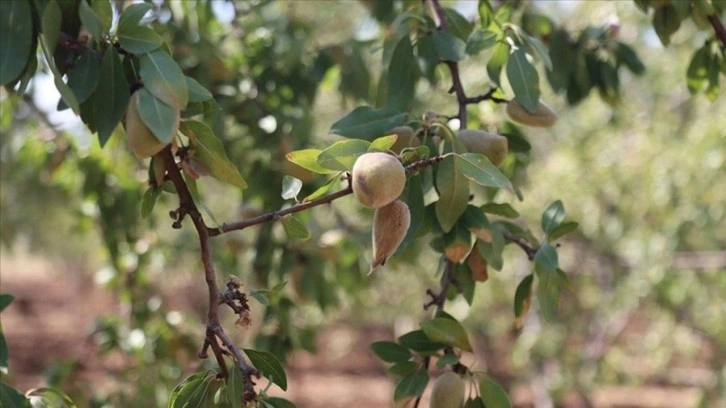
718 28
214 329
528 249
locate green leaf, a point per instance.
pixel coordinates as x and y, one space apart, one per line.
114 95
90 19
666 22
104 12
458 25
83 77
553 216
517 141
192 392
322 190
148 200
548 292
492 251
545 258
522 296
197 93
503 209
453 190
51 24
294 227
209 150
66 93
138 39
16 38
269 366
235 387
290 187
50 397
5 300
524 80
403 368
383 144
402 76
163 77
448 47
133 14
480 41
10 397
477 168
626 55
159 117
562 50
420 343
411 385
697 73
448 358
308 159
391 352
276 402
368 123
447 331
539 49
497 61
492 394
4 353
562 229
341 155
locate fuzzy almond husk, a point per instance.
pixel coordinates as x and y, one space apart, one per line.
449 391
543 116
390 225
378 179
495 147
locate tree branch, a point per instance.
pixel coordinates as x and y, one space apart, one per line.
214 329
718 28
528 249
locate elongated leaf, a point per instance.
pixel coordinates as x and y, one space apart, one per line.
66 93
413 197
447 331
383 144
459 25
197 93
209 150
138 39
477 168
83 78
539 49
562 229
546 258
294 227
276 402
269 366
308 159
51 397
553 216
16 38
51 24
341 155
104 12
114 91
492 394
10 397
402 76
163 77
90 19
391 352
235 387
4 353
697 73
448 47
322 190
148 200
453 190
411 385
479 41
192 392
403 368
420 343
133 14
497 61
524 80
522 299
503 209
160 118
368 123
548 292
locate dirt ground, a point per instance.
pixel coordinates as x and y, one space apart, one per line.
45 321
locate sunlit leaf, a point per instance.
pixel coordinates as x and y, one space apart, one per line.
290 187
269 366
524 80
163 78
209 150
477 168
383 144
114 91
497 61
50 397
341 155
411 385
322 190
192 391
159 117
308 159
553 216
133 14
453 190
294 227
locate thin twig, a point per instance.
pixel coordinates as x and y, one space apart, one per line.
528 249
718 28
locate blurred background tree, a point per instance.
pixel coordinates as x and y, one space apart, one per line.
640 165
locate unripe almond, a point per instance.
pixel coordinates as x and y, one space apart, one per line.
449 391
405 138
491 145
378 179
543 116
390 225
141 140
